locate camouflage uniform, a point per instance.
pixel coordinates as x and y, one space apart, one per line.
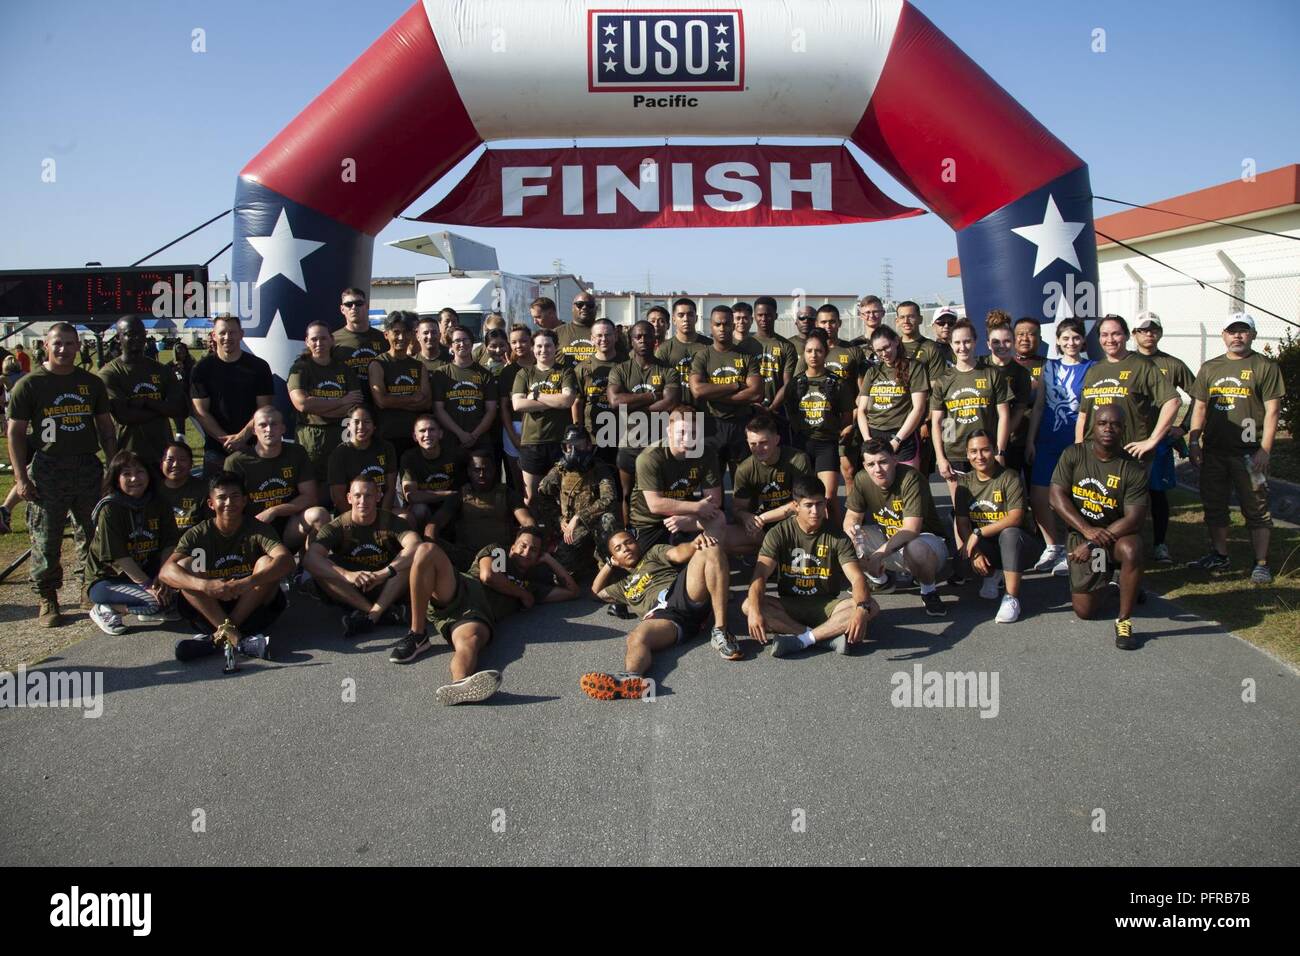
593 496
67 486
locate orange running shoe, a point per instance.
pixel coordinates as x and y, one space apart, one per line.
622 686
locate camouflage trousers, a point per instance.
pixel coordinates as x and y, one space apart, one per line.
580 557
68 486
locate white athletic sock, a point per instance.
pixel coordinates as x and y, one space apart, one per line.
806 638
929 588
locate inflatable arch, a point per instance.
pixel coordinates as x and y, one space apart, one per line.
452 74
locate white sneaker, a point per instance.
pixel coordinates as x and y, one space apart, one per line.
992 584
1050 556
109 621
152 619
1062 568
1009 611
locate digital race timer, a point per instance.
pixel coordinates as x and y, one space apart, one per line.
56 293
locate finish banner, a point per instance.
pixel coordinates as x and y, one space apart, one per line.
636 187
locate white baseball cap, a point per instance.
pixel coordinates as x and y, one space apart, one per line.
1147 319
1239 318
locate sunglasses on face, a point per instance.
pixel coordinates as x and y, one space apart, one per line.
354 304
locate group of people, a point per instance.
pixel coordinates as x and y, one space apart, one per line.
444 483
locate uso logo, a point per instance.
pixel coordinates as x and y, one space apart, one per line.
665 50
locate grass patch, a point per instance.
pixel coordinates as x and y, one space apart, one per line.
1266 616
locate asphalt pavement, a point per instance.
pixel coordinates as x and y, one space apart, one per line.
1186 751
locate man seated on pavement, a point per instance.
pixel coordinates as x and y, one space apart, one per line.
813 561
362 560
675 588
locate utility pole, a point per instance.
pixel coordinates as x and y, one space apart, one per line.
558 266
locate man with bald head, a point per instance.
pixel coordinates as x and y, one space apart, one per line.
143 396
1100 491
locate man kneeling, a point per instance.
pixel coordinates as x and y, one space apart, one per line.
674 600
1100 491
362 559
465 607
228 570
813 560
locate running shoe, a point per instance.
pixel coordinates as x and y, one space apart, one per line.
1008 611
991 585
469 690
1062 568
153 620
1212 561
783 645
256 645
724 644
883 585
619 611
6 520
1124 638
620 686
1160 554
1261 574
1052 555
409 648
903 580
192 648
933 605
840 645
108 620
398 614
957 579
356 622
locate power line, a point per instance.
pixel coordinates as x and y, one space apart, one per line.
186 236
1217 222
1201 283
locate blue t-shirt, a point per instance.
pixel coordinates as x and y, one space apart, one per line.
1062 384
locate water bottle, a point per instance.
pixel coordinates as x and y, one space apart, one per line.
1258 479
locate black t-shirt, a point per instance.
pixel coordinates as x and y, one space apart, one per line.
232 389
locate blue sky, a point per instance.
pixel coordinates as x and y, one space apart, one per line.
148 137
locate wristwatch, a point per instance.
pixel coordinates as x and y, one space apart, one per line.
865 605
391 573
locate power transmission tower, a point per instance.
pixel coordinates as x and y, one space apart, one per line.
887 279
558 266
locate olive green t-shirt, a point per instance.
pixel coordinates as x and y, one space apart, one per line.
776 357
217 556
683 479
271 481
546 426
143 378
1234 392
640 590
1179 376
817 405
889 402
908 496
357 350
933 355
364 547
464 392
402 376
484 518
537 581
988 502
189 502
727 367
1101 490
147 535
768 486
348 462
654 378
574 344
439 473
969 401
61 410
1022 381
593 385
681 355
1135 384
808 565
331 381
844 361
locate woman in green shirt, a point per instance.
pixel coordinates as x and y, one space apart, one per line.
545 393
892 397
134 533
